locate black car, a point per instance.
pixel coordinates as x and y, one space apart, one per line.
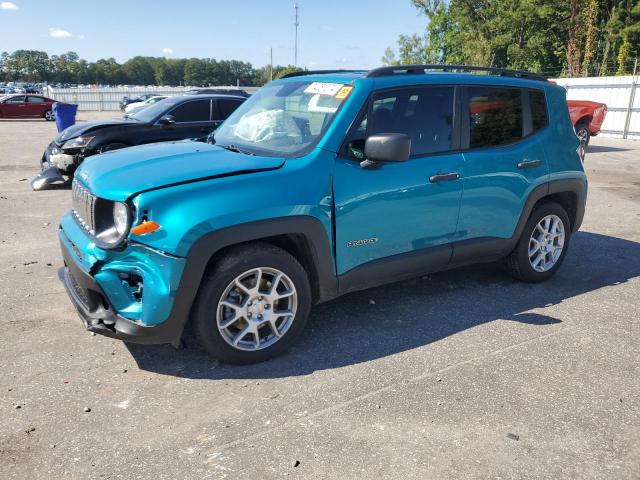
225 91
174 118
140 98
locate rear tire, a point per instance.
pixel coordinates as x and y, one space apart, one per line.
49 116
539 251
583 133
231 309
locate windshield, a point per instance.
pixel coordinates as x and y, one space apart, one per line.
283 119
150 113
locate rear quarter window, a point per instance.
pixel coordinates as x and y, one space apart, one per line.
538 104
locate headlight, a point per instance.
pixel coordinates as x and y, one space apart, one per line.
113 220
121 218
78 142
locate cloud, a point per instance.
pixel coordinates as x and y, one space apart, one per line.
58 33
8 6
167 51
81 37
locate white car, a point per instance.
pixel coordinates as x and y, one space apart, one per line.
137 106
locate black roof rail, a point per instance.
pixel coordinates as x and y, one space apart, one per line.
319 72
406 69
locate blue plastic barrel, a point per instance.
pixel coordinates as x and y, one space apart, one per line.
65 114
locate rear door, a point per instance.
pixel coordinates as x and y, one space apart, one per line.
36 106
14 107
503 132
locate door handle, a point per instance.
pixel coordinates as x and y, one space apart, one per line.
529 164
444 177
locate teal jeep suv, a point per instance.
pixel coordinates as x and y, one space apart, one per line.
322 183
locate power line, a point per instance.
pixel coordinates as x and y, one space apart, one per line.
295 62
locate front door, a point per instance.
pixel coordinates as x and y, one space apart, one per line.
192 120
406 207
14 107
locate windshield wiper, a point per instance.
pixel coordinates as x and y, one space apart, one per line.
234 148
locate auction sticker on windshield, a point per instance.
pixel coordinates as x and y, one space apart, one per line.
321 88
344 92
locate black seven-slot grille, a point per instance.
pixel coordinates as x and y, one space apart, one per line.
83 207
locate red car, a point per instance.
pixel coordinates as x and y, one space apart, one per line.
25 106
587 118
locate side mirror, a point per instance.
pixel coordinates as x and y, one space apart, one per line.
387 147
167 120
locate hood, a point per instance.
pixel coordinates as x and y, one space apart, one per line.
119 174
84 127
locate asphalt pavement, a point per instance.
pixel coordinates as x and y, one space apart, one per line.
463 374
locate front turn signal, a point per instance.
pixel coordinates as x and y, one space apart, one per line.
145 228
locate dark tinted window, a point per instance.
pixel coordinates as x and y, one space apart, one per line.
227 107
495 116
15 100
194 111
423 113
538 110
35 99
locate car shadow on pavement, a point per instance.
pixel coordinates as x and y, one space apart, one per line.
387 320
605 149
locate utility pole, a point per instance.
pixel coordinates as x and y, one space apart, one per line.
295 62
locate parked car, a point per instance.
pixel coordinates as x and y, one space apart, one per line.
226 91
140 98
137 106
175 118
26 106
587 118
320 185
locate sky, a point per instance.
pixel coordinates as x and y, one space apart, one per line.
332 33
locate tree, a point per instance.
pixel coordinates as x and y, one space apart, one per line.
577 37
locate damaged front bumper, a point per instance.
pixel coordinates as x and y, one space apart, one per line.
128 294
54 165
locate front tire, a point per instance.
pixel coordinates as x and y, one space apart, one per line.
252 304
542 246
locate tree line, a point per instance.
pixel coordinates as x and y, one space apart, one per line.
555 37
37 66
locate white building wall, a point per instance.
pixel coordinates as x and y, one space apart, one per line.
616 93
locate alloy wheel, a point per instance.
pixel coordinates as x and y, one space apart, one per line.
546 243
256 309
583 135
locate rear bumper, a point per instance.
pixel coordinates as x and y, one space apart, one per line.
98 312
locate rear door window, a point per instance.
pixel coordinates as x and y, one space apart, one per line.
31 99
226 108
194 111
494 116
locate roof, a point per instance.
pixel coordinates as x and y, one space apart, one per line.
208 95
